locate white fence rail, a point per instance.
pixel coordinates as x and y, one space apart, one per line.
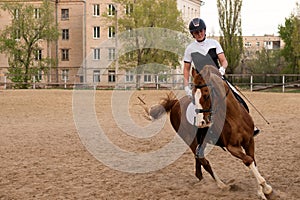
252 82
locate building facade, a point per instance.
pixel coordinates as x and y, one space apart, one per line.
87 45
189 9
253 44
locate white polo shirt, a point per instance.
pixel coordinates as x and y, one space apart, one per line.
203 53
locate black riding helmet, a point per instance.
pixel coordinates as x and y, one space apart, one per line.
197 24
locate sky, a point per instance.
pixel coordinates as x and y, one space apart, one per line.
259 17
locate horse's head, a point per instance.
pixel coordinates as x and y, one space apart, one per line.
201 95
208 86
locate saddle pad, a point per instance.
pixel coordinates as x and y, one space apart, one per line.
191 114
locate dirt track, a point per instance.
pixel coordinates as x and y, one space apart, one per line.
42 156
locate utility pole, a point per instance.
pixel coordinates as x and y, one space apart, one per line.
117 51
84 43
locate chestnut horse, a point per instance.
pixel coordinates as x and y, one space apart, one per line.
225 122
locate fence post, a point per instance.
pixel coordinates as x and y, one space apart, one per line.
4 83
283 82
33 82
65 80
251 83
157 87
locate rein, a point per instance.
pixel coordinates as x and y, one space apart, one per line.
201 86
203 111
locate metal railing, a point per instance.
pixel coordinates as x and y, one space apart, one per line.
251 82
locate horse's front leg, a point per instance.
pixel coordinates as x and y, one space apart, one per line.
198 171
206 165
208 168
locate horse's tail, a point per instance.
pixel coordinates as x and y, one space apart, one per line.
165 106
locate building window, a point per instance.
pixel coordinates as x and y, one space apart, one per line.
111 32
247 44
39 76
96 10
37 13
111 75
129 9
96 33
111 10
65 34
129 77
129 31
81 79
16 13
111 54
257 44
65 54
65 74
64 14
96 53
96 76
17 35
129 55
147 78
38 54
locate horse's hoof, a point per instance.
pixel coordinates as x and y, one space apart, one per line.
224 187
234 187
199 176
275 195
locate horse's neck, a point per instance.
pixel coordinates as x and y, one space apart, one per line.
231 103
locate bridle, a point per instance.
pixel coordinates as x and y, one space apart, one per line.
202 110
211 94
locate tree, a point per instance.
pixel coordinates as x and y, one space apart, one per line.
290 34
20 40
149 24
231 32
266 62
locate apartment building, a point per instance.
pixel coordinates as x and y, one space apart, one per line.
189 9
67 50
253 44
87 43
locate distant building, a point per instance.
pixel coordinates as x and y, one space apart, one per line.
189 8
82 28
253 44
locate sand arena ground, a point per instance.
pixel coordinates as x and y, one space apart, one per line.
42 156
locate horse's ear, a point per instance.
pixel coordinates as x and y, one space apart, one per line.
194 72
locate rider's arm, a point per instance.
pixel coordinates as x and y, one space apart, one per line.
186 73
222 60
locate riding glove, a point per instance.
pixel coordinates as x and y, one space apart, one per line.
188 91
222 70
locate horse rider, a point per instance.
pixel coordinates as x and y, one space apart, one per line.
205 51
